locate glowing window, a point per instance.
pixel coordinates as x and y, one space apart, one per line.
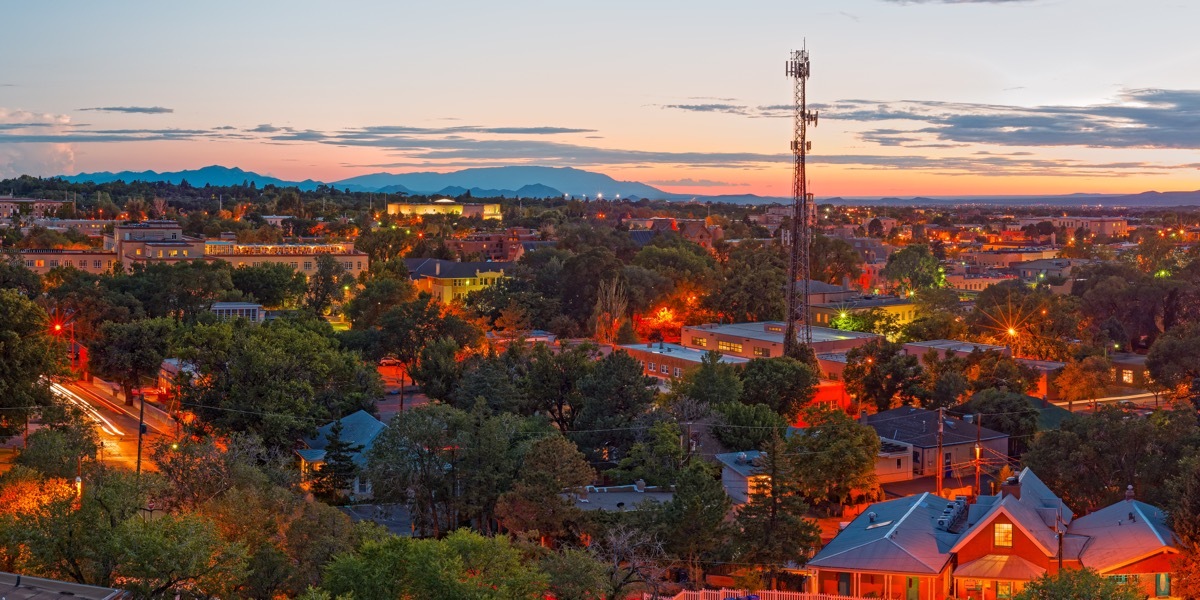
1003 535
1127 376
729 346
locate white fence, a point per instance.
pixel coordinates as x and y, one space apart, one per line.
725 593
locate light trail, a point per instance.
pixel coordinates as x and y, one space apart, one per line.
104 424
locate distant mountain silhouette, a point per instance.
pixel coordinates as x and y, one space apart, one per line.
508 181
212 175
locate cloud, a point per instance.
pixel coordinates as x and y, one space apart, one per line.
1141 118
145 110
745 110
268 128
689 182
48 158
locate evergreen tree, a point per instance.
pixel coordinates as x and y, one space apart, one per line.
338 471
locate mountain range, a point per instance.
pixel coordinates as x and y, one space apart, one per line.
549 182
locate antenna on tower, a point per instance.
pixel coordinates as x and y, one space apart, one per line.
799 328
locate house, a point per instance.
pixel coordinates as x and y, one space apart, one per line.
919 428
895 549
447 280
359 430
1129 369
24 587
245 310
924 546
825 314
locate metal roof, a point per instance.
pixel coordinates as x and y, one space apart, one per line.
902 538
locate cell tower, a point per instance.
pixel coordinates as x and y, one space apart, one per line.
799 330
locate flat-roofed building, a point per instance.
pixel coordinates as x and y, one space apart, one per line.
670 361
88 227
824 314
948 348
302 258
96 262
764 339
244 310
10 206
445 206
972 282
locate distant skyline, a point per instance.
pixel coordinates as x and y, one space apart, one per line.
917 97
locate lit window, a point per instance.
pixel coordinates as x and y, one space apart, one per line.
729 346
1127 376
700 342
762 352
1003 535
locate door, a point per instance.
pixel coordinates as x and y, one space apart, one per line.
1162 584
912 588
844 584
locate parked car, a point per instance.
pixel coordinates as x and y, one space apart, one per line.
389 361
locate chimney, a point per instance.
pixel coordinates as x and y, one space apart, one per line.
1011 487
863 417
1129 493
437 268
639 485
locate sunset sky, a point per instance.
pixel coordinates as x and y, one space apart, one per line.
922 97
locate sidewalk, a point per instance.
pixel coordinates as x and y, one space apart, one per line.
155 418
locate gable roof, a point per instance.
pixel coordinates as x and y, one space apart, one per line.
1117 540
358 429
918 427
1022 516
447 269
903 538
641 237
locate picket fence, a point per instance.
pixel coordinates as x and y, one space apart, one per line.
725 593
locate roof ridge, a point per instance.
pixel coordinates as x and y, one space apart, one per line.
1148 522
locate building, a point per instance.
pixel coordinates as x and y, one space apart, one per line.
764 339
35 207
894 549
1129 370
919 428
24 587
359 430
1037 271
239 310
499 246
1105 226
948 348
96 262
670 361
1006 259
974 283
445 206
824 314
88 227
924 546
820 292
448 281
301 258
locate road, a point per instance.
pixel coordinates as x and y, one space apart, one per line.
116 423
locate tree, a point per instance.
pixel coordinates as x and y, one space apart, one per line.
327 285
913 268
27 354
338 471
835 459
1079 584
1083 380
274 285
1091 458
785 384
873 320
129 353
632 561
16 276
575 574
714 382
746 426
693 522
59 447
657 459
381 293
177 555
553 382
551 465
1184 514
1006 412
438 370
880 374
614 394
772 529
833 260
611 304
1174 358
751 284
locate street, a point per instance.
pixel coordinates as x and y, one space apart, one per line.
116 423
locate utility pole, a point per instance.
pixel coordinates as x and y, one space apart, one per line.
799 329
1058 529
978 449
941 418
141 430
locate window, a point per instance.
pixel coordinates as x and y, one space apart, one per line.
678 372
54 262
1003 535
308 265
663 368
95 264
1127 376
653 367
899 463
729 346
700 342
762 352
1146 376
1004 589
41 263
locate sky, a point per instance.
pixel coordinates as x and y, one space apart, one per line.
917 97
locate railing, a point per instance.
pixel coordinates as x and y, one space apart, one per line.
725 593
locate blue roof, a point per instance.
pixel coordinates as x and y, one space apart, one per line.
358 429
902 538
